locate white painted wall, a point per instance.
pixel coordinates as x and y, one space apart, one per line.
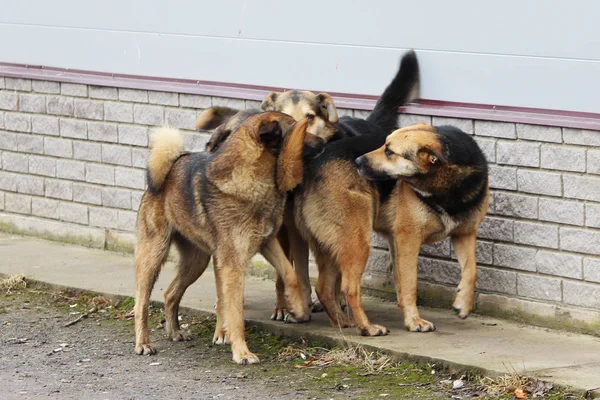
515 53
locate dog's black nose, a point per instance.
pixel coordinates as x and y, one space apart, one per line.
360 160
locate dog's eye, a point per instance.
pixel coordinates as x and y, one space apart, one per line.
388 152
310 115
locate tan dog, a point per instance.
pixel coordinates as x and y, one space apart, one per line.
229 205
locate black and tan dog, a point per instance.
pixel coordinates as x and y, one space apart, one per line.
418 185
228 204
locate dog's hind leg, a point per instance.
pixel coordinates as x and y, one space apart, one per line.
465 247
280 310
299 250
153 241
192 263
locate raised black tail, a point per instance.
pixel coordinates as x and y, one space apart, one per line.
403 88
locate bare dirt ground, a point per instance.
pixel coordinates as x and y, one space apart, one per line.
93 358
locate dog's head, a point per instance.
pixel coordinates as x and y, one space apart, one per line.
408 152
301 104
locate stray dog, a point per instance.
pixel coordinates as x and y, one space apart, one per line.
228 204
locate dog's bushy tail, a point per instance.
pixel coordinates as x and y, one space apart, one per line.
166 146
214 116
403 88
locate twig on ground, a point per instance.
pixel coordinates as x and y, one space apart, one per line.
80 318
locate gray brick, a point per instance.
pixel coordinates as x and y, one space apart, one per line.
135 95
87 151
113 154
45 166
116 198
46 208
496 280
514 257
127 220
256 104
73 89
465 125
592 215
559 264
539 287
503 177
581 294
534 234
58 147
591 269
342 112
496 229
525 154
581 136
102 132
438 249
73 128
148 115
87 194
136 198
488 147
8 100
8 181
30 185
103 217
17 122
580 240
46 87
582 187
8 141
23 85
89 109
133 135
184 119
2 86
194 141
30 144
130 177
120 112
362 114
1 120
15 162
33 103
1 201
194 101
163 98
496 129
17 203
72 212
45 125
139 158
103 92
60 105
515 205
593 162
228 102
539 182
539 133
409 119
561 211
438 271
59 189
483 252
564 158
70 169
97 173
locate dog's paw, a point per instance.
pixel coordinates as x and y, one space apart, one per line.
145 349
245 358
463 304
180 336
279 314
374 330
220 337
292 319
317 307
419 325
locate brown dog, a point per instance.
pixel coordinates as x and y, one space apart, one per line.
228 204
418 185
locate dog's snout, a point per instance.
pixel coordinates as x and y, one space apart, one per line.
360 161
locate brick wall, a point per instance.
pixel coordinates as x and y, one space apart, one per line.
75 155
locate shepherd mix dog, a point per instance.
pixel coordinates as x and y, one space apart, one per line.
326 126
228 204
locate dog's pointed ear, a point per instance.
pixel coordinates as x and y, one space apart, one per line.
326 103
268 103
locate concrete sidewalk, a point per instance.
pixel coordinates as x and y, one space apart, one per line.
490 345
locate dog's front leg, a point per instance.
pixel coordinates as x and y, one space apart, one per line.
296 304
406 253
231 271
465 247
